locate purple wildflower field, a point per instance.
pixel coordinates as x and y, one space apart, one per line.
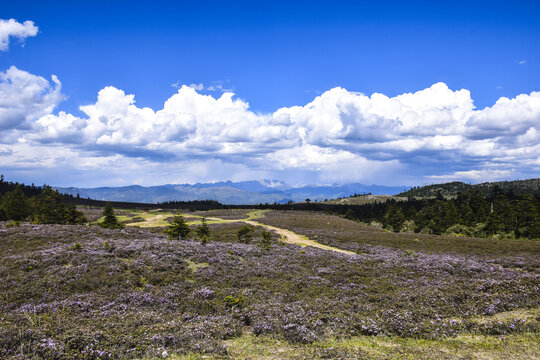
85 292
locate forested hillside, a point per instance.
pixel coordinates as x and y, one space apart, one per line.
452 189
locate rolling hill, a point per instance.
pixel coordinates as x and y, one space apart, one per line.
451 189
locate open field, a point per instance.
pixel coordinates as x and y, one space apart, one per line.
355 236
88 293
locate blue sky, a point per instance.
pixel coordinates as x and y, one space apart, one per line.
270 55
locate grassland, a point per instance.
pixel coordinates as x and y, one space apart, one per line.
84 292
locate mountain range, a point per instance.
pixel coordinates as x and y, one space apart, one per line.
228 192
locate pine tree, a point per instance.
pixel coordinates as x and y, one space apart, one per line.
49 208
15 206
110 221
266 239
349 214
526 219
203 230
178 228
394 217
73 216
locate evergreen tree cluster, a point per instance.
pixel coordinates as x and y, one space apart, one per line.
452 189
41 205
470 213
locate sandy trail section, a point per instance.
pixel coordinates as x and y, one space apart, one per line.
148 222
296 239
287 236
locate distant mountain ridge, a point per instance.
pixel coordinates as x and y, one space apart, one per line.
228 192
450 189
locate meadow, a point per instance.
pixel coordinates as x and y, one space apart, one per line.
85 292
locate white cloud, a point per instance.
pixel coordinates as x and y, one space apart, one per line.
521 62
339 136
507 118
199 86
474 175
215 86
13 29
25 97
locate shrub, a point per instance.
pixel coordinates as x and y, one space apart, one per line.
350 214
298 333
73 216
266 239
232 301
204 240
245 234
408 226
13 223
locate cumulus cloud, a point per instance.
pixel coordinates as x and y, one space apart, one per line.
25 97
13 29
508 118
340 136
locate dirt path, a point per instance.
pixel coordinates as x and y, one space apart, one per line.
287 236
148 222
296 239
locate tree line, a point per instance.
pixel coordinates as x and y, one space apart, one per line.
43 205
470 213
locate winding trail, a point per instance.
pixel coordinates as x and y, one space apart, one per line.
287 236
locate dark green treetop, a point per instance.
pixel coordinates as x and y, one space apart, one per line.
203 230
178 229
110 221
15 206
245 234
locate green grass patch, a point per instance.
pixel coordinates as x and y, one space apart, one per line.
519 346
193 266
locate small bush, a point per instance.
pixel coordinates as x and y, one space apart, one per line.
232 301
13 223
298 334
266 240
245 234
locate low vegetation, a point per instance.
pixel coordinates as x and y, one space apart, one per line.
89 292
